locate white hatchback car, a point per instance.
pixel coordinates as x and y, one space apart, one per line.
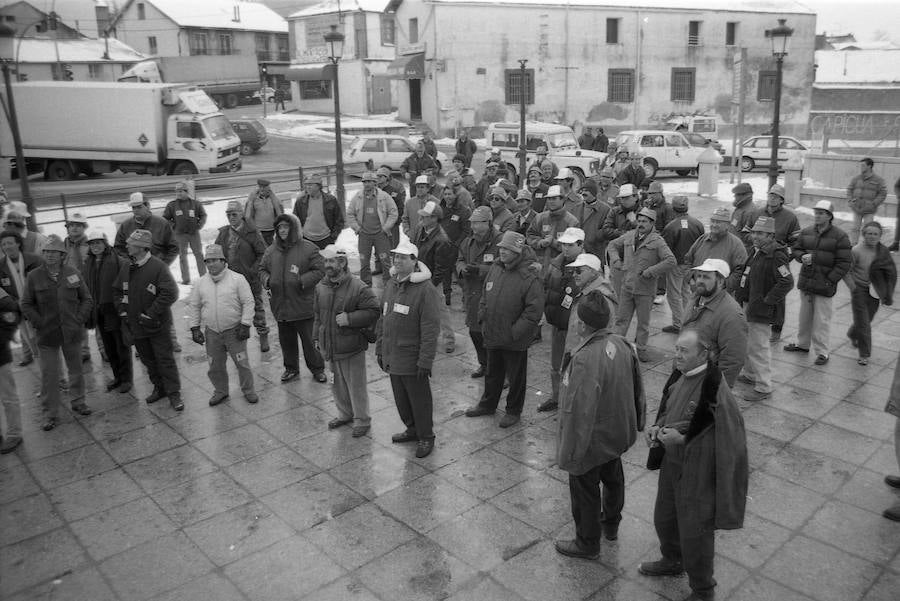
758 151
662 149
385 149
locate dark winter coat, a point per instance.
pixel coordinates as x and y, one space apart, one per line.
32 262
617 223
511 305
334 212
831 258
720 320
409 325
250 248
186 216
456 222
164 247
631 175
475 258
397 192
436 252
100 274
57 310
291 268
416 165
592 220
681 233
883 275
549 224
149 289
765 282
347 295
467 148
561 290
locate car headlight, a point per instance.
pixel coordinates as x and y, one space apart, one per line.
595 165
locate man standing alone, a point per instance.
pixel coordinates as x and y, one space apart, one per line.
601 410
865 194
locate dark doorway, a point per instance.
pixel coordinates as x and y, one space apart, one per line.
415 99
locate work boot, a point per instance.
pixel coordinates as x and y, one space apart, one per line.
662 567
509 420
478 411
571 548
155 396
175 401
478 373
216 398
81 409
548 405
264 343
424 448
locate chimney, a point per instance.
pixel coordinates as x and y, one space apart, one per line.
101 10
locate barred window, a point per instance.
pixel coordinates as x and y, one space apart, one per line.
515 87
621 85
765 89
683 85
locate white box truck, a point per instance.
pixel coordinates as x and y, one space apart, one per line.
70 128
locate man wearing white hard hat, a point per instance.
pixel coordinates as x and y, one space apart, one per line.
589 274
77 252
561 291
409 222
622 218
15 215
406 342
346 310
371 215
543 235
642 256
221 303
574 204
718 317
823 250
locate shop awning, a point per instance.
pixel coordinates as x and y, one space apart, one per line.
410 66
310 72
278 69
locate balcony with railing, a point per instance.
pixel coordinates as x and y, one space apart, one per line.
272 56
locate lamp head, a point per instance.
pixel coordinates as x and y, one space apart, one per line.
780 37
334 39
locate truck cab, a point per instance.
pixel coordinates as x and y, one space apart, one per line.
560 141
200 137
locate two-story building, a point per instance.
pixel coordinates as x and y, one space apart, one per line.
203 27
625 63
370 46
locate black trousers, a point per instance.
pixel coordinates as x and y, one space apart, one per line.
290 351
118 354
778 318
685 528
500 365
598 497
478 343
412 395
159 359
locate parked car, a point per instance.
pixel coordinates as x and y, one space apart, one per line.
562 148
385 149
270 94
662 149
700 141
757 151
708 127
252 134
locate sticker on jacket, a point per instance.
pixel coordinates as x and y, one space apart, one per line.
488 258
784 271
73 279
151 288
295 269
489 286
402 309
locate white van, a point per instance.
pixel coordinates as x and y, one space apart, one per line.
562 147
707 127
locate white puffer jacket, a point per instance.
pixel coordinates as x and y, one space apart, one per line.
220 305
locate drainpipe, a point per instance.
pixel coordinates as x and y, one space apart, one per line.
637 71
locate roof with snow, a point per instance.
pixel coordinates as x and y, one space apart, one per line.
859 66
85 50
220 14
753 6
347 6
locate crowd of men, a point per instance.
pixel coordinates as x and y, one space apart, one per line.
587 261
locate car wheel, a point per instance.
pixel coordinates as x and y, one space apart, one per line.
650 168
683 172
246 148
747 164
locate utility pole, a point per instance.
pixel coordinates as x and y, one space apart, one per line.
523 153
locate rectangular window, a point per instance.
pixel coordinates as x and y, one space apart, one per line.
731 33
226 43
683 85
315 90
515 87
621 85
262 43
413 31
765 89
388 30
151 44
612 31
694 33
284 52
199 44
142 14
95 70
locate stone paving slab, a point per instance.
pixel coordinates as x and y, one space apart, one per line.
263 503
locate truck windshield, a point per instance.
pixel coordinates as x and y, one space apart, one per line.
218 127
704 126
563 140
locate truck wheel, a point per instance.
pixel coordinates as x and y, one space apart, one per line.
650 167
219 100
184 168
58 171
231 101
246 148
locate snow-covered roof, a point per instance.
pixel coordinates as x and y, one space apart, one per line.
858 66
878 45
85 50
219 14
753 6
347 6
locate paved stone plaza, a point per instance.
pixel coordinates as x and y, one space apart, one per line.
263 503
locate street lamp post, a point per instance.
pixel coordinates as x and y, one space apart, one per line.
334 39
780 36
523 148
7 43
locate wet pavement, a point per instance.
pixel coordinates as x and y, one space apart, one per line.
264 503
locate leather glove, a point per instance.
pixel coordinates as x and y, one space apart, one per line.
243 331
380 362
197 336
423 373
